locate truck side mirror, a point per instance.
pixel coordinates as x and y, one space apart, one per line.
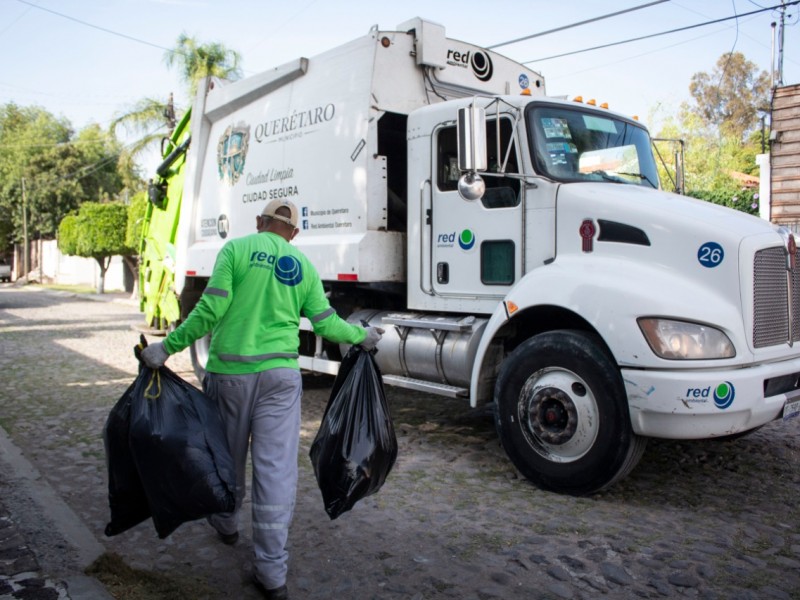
471 130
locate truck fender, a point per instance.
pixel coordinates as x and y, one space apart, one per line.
596 294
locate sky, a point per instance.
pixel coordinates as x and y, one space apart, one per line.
94 59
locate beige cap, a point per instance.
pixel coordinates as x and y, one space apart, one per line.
271 208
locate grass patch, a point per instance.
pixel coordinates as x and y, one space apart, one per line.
77 289
126 583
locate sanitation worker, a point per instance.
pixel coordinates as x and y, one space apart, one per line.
252 304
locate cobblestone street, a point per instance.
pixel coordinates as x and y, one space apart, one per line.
710 519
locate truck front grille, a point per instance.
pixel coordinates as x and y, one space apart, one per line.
775 302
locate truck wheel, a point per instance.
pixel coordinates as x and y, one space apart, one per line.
562 414
199 353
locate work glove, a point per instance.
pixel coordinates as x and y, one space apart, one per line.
154 355
373 337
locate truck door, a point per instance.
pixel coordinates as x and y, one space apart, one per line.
476 245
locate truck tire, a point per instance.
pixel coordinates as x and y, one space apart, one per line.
562 414
199 354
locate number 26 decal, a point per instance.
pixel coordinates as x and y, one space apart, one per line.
710 255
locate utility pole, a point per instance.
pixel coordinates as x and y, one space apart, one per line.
26 267
779 82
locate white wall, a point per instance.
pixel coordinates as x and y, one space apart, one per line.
74 270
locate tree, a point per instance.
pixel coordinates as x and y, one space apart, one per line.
156 119
720 132
710 161
96 231
196 61
133 235
731 96
150 118
60 170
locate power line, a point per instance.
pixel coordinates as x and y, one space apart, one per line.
86 170
652 35
105 30
51 144
620 12
14 22
122 35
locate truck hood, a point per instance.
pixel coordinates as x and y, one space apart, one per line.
659 213
642 252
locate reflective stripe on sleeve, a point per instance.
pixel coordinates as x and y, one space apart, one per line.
322 315
216 292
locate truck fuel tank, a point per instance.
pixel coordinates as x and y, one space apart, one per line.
436 348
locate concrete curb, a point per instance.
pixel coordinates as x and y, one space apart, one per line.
27 481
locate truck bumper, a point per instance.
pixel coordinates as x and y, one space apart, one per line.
711 403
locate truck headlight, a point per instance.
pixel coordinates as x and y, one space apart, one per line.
681 340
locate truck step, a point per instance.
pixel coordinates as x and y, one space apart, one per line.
331 367
420 385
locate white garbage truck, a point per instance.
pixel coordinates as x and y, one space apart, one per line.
516 248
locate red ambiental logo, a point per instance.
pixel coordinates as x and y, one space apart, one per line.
477 60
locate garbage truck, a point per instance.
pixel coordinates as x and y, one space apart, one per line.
516 248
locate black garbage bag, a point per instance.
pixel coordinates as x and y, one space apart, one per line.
179 446
355 447
173 436
126 496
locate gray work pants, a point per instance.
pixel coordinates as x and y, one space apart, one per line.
262 410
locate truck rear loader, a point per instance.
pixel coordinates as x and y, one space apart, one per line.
516 248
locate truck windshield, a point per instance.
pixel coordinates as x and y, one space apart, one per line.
570 144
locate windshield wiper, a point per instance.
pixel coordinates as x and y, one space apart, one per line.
607 176
614 177
640 176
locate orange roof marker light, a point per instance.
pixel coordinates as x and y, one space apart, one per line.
604 105
592 102
525 92
578 99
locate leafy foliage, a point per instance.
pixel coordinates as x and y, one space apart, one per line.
68 234
196 61
60 170
731 96
150 118
97 231
742 199
720 132
154 118
136 214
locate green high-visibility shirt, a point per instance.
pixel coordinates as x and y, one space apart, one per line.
259 288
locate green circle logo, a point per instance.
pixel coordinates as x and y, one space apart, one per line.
466 240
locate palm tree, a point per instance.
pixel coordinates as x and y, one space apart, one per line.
197 61
150 117
155 119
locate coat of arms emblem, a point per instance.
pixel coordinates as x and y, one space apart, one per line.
232 151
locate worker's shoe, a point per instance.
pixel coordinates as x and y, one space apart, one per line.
229 539
278 593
